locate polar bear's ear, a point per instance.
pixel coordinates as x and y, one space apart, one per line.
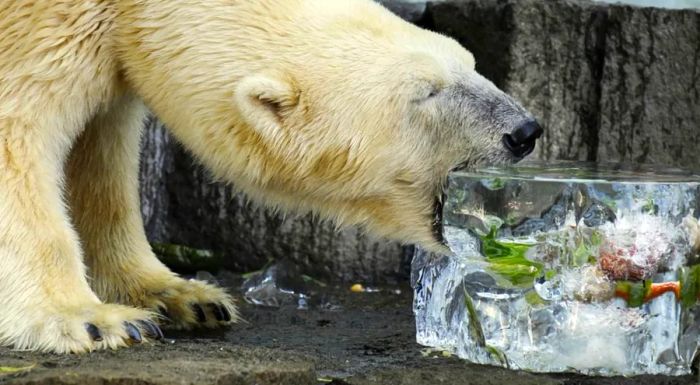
264 102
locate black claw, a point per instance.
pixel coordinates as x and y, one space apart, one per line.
151 330
160 335
133 332
94 332
164 312
227 315
200 313
218 313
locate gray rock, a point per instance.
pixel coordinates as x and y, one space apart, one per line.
650 99
198 362
608 82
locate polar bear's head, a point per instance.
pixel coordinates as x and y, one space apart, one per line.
337 107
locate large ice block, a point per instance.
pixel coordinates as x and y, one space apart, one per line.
566 267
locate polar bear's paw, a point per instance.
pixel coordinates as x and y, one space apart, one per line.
185 304
81 329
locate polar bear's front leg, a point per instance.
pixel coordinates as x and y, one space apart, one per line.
103 190
45 300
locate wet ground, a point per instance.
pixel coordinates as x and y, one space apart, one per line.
362 339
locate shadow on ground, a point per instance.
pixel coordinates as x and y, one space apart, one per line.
365 338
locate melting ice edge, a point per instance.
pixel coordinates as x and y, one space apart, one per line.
590 276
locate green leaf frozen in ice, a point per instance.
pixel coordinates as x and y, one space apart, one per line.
534 299
507 259
477 333
474 326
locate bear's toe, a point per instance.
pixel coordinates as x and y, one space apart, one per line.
80 329
188 304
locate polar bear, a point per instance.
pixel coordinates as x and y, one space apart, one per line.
331 106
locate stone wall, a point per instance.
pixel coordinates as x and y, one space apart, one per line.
607 82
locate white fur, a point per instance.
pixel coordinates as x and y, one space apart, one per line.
315 105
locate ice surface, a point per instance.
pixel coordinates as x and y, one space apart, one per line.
282 283
565 268
279 284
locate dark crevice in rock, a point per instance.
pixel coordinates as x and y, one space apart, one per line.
595 44
156 162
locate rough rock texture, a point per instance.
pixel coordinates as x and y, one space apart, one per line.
608 82
650 88
192 362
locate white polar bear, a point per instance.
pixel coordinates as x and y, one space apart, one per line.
333 106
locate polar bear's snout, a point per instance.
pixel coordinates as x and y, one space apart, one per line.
489 127
521 142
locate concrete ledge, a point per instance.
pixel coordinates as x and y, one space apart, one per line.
367 339
191 362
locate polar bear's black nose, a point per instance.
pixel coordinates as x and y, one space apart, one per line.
521 142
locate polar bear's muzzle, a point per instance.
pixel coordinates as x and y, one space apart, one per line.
490 125
521 142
